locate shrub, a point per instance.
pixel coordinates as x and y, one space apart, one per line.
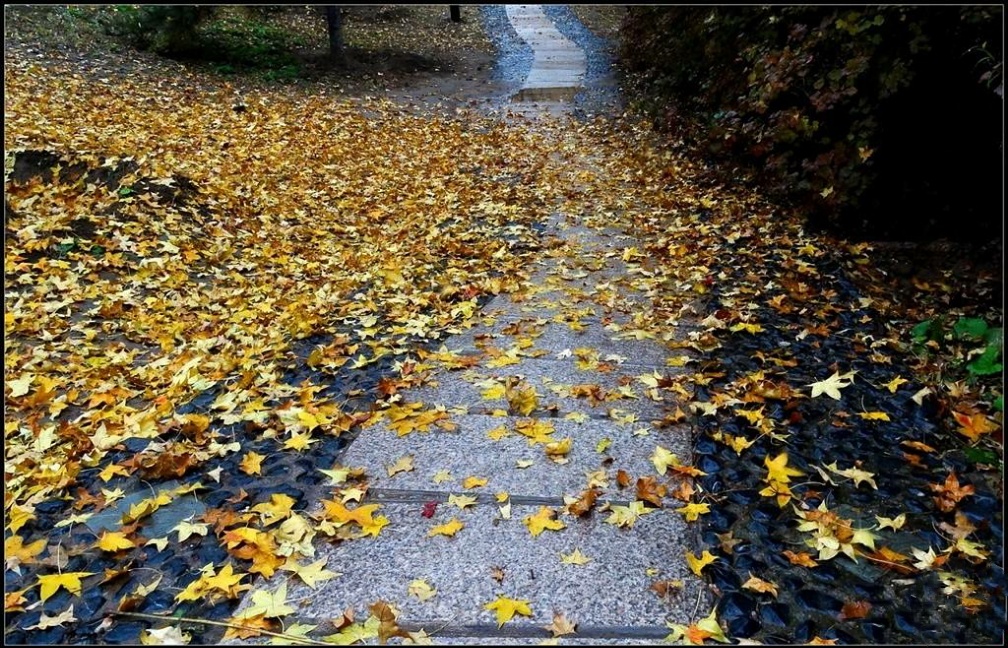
883 120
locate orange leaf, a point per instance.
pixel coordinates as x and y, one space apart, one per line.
801 558
584 503
855 610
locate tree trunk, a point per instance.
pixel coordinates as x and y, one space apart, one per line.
334 23
456 12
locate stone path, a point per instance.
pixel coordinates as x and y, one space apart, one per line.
558 68
568 336
557 333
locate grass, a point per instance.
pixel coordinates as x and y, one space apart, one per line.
282 43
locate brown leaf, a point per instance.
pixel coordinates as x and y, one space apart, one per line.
664 588
649 490
623 479
584 503
950 493
386 616
561 625
497 574
855 610
801 558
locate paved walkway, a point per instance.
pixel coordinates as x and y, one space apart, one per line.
558 68
549 395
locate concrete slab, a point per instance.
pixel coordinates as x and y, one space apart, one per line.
469 451
612 589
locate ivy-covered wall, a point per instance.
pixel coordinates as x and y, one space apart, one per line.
884 121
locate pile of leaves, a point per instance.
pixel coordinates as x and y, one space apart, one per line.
885 121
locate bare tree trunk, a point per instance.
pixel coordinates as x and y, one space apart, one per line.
334 23
456 12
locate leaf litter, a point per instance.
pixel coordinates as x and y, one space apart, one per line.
215 292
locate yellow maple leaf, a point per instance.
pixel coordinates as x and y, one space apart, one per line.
694 510
760 585
403 464
543 519
557 450
269 604
17 553
697 564
778 470
747 327
114 541
442 476
894 384
975 426
536 430
895 523
19 516
278 508
299 442
662 458
337 512
874 416
70 581
856 474
251 463
574 558
498 432
506 608
626 516
474 482
449 528
421 589
522 399
832 385
311 574
461 501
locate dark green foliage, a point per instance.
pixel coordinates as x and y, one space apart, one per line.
883 120
231 40
168 29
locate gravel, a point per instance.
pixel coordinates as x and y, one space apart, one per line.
514 56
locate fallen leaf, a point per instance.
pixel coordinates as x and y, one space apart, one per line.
506 608
832 385
251 463
854 610
403 464
574 558
461 501
448 529
70 581
47 621
421 589
696 564
544 518
694 510
759 585
561 625
474 482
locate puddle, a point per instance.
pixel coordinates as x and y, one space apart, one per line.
546 94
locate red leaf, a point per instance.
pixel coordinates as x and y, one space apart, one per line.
429 508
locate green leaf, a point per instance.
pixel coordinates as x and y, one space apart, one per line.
920 333
969 328
987 363
125 191
981 455
998 403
